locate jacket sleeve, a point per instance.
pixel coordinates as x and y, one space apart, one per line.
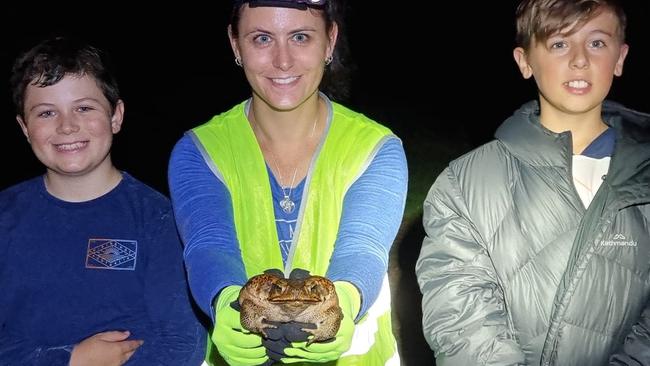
465 318
635 350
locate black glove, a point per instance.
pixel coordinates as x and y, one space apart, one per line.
281 337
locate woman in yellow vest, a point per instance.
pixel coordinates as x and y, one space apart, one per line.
290 179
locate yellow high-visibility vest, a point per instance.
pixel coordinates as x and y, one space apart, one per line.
231 150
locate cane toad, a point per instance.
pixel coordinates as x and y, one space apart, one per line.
269 297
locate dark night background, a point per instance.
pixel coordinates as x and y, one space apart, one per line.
440 74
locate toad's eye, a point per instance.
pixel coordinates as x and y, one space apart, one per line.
318 290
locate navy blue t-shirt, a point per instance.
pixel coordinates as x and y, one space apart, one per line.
70 270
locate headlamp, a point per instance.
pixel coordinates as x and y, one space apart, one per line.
296 4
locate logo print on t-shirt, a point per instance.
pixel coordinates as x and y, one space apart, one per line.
114 254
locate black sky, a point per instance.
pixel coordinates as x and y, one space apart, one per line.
443 68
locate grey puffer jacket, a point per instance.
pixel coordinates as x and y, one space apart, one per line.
514 270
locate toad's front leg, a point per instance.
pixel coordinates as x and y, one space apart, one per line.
327 325
254 319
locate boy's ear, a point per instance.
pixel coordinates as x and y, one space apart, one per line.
23 127
118 117
618 69
520 58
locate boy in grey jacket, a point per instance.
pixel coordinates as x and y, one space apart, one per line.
537 247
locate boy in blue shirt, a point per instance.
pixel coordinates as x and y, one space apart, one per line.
91 268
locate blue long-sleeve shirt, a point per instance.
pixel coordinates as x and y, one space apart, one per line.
371 216
71 270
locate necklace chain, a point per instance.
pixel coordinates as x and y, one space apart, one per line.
287 203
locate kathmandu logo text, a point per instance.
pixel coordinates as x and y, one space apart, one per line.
619 240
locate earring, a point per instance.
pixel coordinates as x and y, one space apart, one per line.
328 60
238 61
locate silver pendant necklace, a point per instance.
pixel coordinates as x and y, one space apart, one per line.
286 203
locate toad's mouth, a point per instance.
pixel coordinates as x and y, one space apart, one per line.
310 300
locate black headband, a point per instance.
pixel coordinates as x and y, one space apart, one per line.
296 4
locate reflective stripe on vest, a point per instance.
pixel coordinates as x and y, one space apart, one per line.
231 150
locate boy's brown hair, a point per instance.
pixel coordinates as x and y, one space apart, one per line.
540 19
